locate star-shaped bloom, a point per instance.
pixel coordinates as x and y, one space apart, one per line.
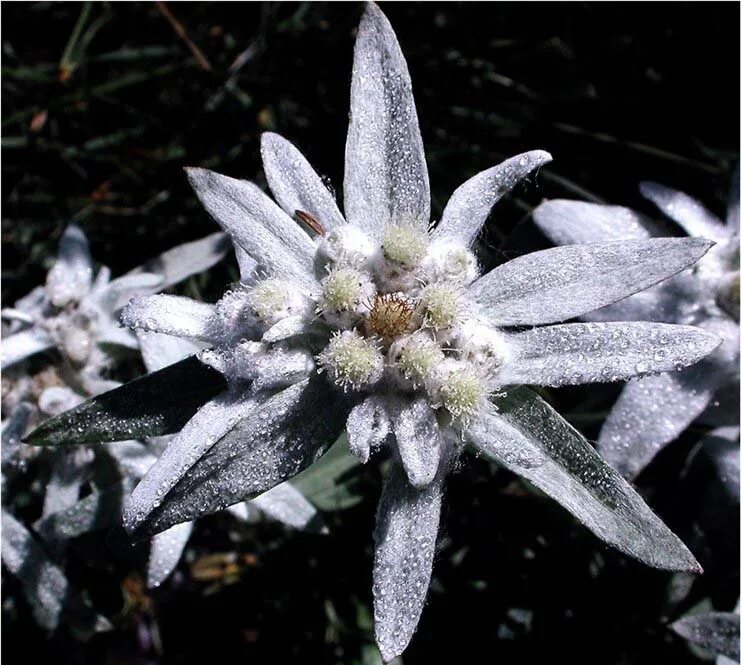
375 321
653 411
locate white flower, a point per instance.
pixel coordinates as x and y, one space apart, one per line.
654 411
422 354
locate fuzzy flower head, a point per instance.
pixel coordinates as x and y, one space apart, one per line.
382 323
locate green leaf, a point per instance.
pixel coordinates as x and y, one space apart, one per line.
156 404
327 482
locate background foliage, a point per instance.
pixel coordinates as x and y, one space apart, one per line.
102 106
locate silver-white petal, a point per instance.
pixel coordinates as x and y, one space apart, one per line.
565 282
294 184
368 425
23 344
170 315
578 222
653 411
186 259
418 439
72 275
574 475
471 203
386 180
165 552
257 225
210 423
576 353
407 522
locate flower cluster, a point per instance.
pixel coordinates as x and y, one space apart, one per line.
381 320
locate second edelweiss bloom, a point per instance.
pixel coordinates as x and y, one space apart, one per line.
376 321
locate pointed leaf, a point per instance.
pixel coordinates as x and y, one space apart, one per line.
211 422
406 530
578 222
472 202
574 475
159 403
564 282
190 258
386 177
689 213
165 552
652 412
577 353
295 185
44 583
257 225
23 344
718 632
282 436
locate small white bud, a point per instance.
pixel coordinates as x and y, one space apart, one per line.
346 294
439 306
351 361
448 261
348 246
461 389
482 345
417 358
272 300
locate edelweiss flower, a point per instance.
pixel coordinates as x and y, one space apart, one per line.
385 325
653 411
76 311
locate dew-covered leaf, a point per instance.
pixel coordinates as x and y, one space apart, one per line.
573 474
189 258
418 439
565 282
577 353
386 178
471 203
257 225
294 183
156 404
211 422
368 425
275 441
653 411
171 315
579 222
406 530
689 213
101 509
20 345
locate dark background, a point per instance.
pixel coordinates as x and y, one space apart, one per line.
96 127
